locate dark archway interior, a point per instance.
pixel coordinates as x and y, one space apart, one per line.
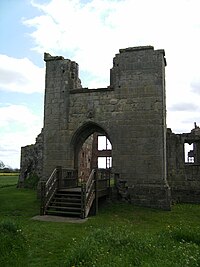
81 135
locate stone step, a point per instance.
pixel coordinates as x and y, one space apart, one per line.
63 213
64 208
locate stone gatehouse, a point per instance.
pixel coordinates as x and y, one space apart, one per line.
130 112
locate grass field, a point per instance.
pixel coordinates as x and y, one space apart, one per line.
9 173
120 235
8 179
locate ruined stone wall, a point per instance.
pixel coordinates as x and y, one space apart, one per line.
31 163
183 178
131 112
85 160
61 75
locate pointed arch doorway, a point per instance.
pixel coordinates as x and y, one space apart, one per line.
92 150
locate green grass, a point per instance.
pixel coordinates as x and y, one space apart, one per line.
120 235
8 179
9 174
13 245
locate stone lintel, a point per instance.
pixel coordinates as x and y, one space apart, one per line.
86 90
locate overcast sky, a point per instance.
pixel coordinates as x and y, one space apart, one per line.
91 32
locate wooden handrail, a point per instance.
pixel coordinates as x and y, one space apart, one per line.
48 189
88 194
97 183
51 179
89 181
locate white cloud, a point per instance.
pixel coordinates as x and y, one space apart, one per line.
182 121
188 107
93 32
18 127
20 75
195 84
19 114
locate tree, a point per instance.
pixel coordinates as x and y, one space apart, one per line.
2 165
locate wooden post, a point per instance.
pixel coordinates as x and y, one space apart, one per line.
83 200
109 185
42 197
116 179
109 179
59 175
76 176
96 191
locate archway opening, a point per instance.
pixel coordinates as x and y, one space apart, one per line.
92 150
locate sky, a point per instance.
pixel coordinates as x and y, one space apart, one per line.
91 32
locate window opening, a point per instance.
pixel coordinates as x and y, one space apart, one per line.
104 152
189 153
104 162
103 143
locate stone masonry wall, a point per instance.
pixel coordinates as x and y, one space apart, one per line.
183 178
131 112
31 161
85 159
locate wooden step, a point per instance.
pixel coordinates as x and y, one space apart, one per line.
65 202
68 190
67 197
64 205
58 194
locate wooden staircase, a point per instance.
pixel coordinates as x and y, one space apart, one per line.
66 202
61 196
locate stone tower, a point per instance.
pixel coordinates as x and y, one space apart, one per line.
131 112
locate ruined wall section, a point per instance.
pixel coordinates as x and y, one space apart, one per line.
183 178
31 163
138 76
85 160
61 75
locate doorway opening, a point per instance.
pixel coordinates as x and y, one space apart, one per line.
92 150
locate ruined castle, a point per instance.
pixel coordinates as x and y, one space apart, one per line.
131 113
